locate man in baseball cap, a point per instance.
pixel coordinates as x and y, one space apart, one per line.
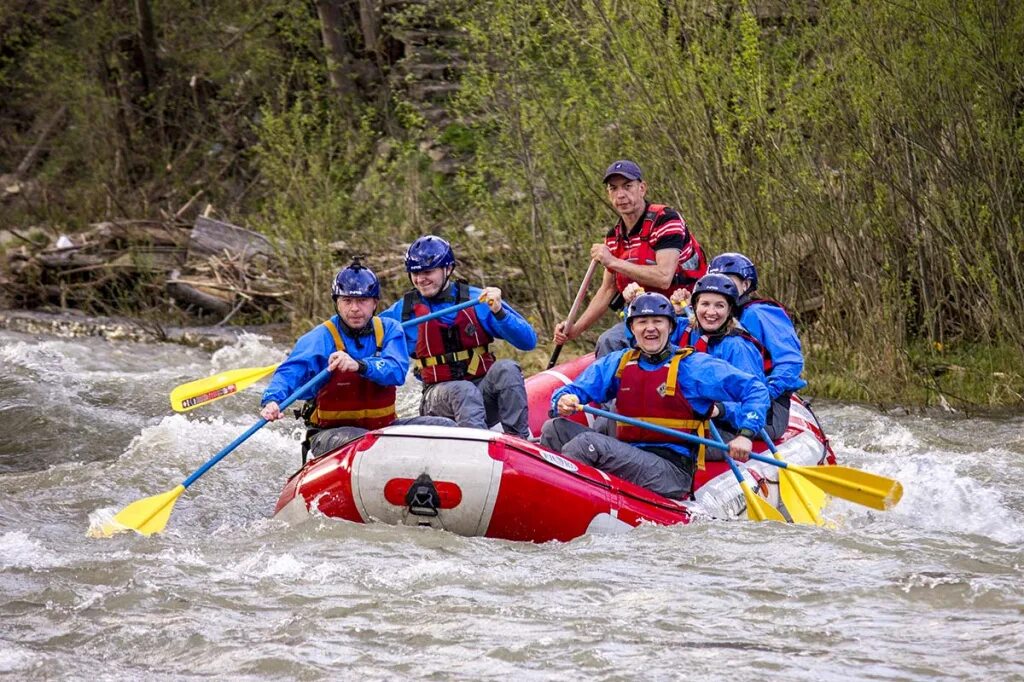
649 245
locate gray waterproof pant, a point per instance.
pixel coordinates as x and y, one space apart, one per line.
325 440
612 456
498 397
612 339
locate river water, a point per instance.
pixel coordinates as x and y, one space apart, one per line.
932 589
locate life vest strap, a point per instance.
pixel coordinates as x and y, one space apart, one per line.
319 416
378 333
473 355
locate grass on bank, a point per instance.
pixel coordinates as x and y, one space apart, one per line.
962 378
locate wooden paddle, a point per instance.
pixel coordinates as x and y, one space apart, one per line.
573 310
201 392
871 490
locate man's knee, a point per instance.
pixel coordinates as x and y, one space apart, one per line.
331 439
585 447
428 420
505 374
555 433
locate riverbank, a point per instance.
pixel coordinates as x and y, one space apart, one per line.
969 381
73 324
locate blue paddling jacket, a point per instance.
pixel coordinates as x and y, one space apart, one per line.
704 380
768 322
309 357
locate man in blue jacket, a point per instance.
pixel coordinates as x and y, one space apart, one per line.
451 354
662 383
767 321
368 359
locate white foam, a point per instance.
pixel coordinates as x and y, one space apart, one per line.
251 350
18 550
16 659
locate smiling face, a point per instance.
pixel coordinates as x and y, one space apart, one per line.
356 312
626 196
651 332
430 282
712 311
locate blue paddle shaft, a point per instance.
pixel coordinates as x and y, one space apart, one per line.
732 465
251 430
309 384
768 441
654 427
443 311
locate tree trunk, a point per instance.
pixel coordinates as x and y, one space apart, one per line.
147 44
336 47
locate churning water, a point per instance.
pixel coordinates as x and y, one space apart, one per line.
929 590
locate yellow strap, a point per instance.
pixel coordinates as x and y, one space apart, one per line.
474 355
627 357
378 332
338 343
331 415
474 363
701 451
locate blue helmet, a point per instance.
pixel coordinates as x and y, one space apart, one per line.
735 264
651 305
427 253
356 281
716 283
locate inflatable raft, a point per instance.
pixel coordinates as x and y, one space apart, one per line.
485 483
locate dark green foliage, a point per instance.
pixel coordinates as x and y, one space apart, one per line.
867 155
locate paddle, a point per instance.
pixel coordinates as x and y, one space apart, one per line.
758 509
870 490
205 391
571 317
150 515
802 498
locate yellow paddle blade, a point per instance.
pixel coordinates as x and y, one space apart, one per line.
758 509
862 487
205 391
802 498
147 516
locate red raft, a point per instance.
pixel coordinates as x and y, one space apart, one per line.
484 483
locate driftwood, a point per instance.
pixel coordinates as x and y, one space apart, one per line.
210 268
213 238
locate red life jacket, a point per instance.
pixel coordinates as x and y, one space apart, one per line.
653 396
348 399
637 249
704 340
448 352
